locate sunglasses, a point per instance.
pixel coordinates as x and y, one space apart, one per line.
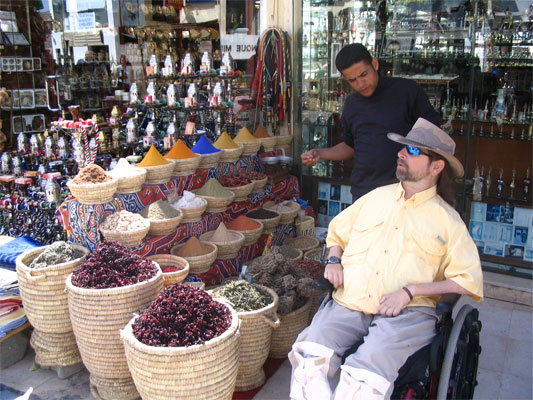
415 151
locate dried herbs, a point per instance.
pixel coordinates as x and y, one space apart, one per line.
243 296
113 265
181 316
57 253
312 268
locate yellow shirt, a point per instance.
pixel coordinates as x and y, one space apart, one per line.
389 242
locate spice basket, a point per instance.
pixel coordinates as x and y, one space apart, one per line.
259 184
289 328
287 216
131 184
250 148
268 143
291 252
158 174
210 160
206 371
228 249
93 193
256 332
163 226
199 264
168 259
46 306
191 214
305 227
251 236
242 192
217 204
313 254
283 140
127 238
231 155
186 166
269 224
303 243
97 315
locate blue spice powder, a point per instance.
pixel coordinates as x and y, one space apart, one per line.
204 146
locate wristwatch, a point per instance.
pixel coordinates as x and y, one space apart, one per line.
333 260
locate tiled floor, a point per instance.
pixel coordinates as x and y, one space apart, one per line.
505 369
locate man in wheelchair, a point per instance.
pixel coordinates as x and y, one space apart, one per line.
392 254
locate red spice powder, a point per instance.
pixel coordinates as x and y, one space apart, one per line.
243 223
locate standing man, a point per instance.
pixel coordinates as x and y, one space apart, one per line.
378 106
391 255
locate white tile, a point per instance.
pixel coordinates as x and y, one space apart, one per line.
521 327
492 349
516 387
519 358
488 386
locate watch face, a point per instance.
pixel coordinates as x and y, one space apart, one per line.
333 260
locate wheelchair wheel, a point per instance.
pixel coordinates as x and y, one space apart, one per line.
459 368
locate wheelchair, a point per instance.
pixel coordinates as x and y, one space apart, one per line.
447 367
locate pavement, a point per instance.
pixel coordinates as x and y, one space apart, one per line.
505 364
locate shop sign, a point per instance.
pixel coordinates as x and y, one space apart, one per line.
82 21
241 46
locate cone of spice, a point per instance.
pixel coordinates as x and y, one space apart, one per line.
228 242
209 153
92 173
200 255
180 151
266 140
153 158
93 186
260 132
225 142
185 160
217 196
250 143
250 228
158 168
163 217
130 178
193 248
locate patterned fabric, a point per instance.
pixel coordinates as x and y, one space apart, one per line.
11 250
82 221
12 313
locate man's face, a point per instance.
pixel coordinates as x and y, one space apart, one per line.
363 77
412 168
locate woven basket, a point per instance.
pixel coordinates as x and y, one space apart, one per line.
168 259
314 254
256 332
186 166
206 371
305 227
191 214
231 155
291 253
287 217
269 224
93 193
55 349
259 184
199 264
268 143
43 291
210 160
158 174
242 192
289 328
131 184
226 250
217 204
283 140
303 243
97 315
128 238
163 226
250 148
251 236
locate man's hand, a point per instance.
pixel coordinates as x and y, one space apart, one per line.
310 157
392 304
334 273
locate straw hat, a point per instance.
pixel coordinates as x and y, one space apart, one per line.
428 136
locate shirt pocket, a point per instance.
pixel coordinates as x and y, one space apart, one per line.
364 233
424 254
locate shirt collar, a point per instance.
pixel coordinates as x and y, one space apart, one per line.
417 198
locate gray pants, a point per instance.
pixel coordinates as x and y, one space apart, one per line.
387 342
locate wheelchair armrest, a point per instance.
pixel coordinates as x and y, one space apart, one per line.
447 302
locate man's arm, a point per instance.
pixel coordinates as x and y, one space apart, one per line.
334 272
339 152
392 304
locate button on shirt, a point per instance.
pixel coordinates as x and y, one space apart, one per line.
389 242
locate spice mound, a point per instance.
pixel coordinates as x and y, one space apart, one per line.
243 223
221 235
213 188
189 200
244 135
160 210
204 146
124 169
225 142
193 248
181 316
261 213
180 151
113 265
92 173
293 285
57 253
234 180
153 158
124 221
243 296
260 132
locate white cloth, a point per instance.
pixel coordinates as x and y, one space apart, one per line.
356 383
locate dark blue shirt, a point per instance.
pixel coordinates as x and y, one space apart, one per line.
394 106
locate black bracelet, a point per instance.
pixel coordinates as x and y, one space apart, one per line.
408 293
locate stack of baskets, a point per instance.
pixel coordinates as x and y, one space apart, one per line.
288 210
210 160
217 204
231 155
93 193
185 166
303 243
250 148
175 276
206 371
289 328
251 236
259 184
305 226
131 238
199 264
228 249
268 143
242 192
46 306
163 226
97 316
158 174
192 214
269 224
132 183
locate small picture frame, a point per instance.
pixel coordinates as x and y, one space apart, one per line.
37 122
40 98
27 64
27 99
37 65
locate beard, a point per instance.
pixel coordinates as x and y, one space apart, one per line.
404 174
